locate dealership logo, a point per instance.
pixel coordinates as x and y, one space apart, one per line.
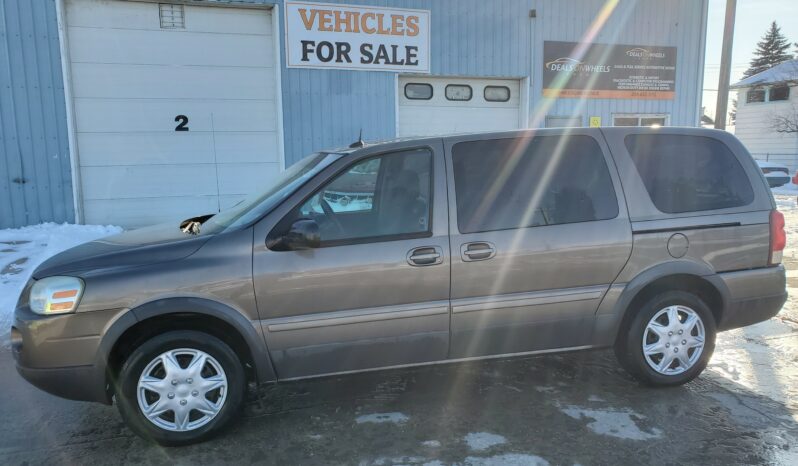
638 52
572 65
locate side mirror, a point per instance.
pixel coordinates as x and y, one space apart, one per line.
303 234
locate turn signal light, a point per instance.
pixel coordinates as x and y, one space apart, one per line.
778 237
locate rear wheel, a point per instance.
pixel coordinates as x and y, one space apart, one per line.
180 387
669 341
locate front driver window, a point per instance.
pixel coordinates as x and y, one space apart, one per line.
383 196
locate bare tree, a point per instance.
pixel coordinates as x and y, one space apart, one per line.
786 122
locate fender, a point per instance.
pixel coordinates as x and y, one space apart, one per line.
610 315
264 369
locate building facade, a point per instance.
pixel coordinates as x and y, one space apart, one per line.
135 112
766 103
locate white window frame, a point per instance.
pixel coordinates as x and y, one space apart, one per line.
640 116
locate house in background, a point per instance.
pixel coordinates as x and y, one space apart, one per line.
761 98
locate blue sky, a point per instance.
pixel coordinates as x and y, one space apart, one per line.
753 19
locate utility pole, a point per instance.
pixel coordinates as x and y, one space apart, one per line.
721 108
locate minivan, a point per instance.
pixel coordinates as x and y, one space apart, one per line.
412 252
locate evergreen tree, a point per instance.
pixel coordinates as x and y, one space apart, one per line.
770 51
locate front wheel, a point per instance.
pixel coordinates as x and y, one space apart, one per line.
180 387
669 341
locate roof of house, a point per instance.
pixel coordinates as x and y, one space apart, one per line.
783 72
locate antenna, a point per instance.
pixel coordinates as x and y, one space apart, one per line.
360 142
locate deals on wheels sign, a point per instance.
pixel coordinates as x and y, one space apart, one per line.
604 71
322 35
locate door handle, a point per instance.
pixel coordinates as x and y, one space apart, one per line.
425 255
477 251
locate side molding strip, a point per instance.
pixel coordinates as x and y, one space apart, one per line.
357 316
485 303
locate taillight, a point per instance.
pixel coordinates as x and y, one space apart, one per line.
778 238
795 178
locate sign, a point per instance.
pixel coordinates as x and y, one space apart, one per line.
322 35
595 122
604 71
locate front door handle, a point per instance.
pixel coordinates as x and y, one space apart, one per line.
425 255
477 251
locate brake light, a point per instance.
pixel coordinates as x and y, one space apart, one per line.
778 237
795 178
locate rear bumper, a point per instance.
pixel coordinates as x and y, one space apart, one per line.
754 296
776 181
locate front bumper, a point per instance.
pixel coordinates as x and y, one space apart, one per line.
754 296
60 354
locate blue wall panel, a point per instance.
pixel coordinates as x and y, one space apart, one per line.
34 148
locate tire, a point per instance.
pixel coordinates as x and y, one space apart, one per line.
683 368
157 357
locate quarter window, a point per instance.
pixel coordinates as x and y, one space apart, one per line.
460 92
512 183
497 93
418 91
689 173
377 198
755 95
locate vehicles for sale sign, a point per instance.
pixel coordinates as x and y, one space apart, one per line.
323 35
608 71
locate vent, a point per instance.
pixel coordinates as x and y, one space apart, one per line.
172 16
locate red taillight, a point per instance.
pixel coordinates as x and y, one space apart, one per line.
778 238
795 178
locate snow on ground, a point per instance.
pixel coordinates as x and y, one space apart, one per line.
788 189
23 249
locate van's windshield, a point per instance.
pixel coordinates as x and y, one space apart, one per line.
258 204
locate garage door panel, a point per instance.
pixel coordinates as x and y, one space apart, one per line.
141 15
155 181
93 45
109 149
439 115
171 82
246 178
140 212
248 147
150 115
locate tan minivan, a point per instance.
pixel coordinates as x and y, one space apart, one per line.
647 240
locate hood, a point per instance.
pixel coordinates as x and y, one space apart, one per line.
159 243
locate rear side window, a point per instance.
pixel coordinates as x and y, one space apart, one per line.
502 184
689 173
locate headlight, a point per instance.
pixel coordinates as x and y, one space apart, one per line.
56 295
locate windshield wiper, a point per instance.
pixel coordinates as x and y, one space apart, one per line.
191 225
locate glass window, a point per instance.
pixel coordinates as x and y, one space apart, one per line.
458 92
497 93
755 95
689 173
520 182
384 196
654 121
418 91
626 121
779 93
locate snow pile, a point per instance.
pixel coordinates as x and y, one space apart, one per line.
788 189
23 249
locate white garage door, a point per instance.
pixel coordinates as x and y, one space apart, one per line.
431 106
174 105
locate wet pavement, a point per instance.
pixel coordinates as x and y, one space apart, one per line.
577 408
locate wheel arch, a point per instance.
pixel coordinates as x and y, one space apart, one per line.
679 276
212 317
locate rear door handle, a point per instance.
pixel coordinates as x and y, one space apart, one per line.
425 255
477 251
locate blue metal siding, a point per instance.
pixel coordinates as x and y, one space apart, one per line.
677 23
33 130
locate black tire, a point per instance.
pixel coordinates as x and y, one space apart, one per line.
126 386
628 347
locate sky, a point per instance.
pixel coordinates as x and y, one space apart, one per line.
752 21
